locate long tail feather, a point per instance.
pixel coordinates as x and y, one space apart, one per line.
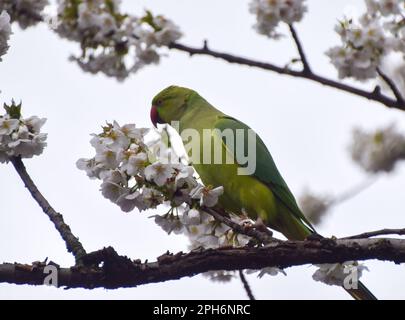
296 230
361 293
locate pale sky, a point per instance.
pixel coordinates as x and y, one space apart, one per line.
307 128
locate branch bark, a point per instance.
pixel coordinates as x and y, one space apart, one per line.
73 244
246 285
382 232
303 57
391 84
306 73
121 272
260 236
374 95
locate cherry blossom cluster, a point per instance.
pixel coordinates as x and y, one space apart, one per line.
113 43
26 12
5 31
138 174
378 151
270 13
315 206
339 274
19 136
368 39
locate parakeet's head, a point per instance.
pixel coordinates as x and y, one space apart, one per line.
170 104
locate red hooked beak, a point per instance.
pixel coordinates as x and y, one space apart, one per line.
154 116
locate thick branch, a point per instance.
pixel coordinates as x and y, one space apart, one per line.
73 244
119 272
374 95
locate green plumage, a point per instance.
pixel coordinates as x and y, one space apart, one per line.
263 194
267 173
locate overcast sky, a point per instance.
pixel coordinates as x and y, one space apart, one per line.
306 126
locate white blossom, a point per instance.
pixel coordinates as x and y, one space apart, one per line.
159 173
129 201
367 39
134 162
364 44
208 241
5 31
140 176
152 198
271 271
336 273
227 237
378 151
34 123
31 146
114 43
162 32
197 231
90 166
107 157
19 136
191 217
26 12
220 276
184 175
385 7
131 131
208 197
7 125
114 185
269 14
169 224
314 206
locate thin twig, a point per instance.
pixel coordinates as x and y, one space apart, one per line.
262 237
392 86
73 244
374 95
303 57
354 191
246 285
382 232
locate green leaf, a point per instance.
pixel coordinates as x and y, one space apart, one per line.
13 110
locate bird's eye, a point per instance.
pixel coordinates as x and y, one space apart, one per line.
159 102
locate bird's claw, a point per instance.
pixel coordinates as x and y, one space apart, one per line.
258 225
314 237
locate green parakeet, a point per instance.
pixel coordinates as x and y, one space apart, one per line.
261 194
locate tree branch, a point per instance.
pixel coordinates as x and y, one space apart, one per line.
120 272
382 232
73 244
374 95
303 57
392 86
246 285
262 237
306 73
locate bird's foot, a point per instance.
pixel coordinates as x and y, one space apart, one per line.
258 225
314 237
